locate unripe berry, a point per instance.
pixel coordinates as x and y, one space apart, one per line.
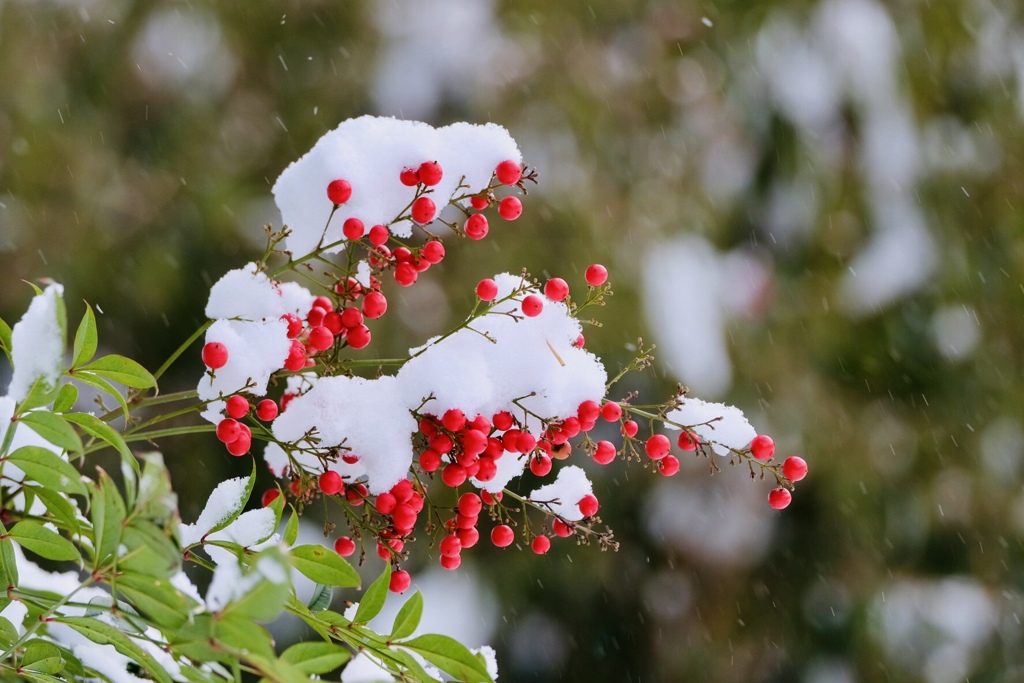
386 503
359 337
430 173
470 504
794 468
433 252
508 172
344 546
779 498
451 563
532 305
269 496
502 535
408 177
541 544
657 447
330 482
596 275
450 546
453 475
215 355
630 428
605 452
228 430
423 210
379 235
237 407
400 581
339 191
487 289
353 228
762 447
556 289
668 465
688 441
588 505
510 208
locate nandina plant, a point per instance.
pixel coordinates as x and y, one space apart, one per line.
419 454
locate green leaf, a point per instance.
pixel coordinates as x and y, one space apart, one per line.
96 427
123 371
324 566
5 339
103 385
373 600
41 677
156 598
265 600
408 617
66 397
8 566
59 507
413 666
244 635
316 658
151 550
107 514
54 428
85 338
42 657
105 634
8 634
40 394
277 671
321 599
291 531
156 501
49 469
450 656
44 542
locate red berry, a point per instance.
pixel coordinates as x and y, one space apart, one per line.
451 563
479 202
266 410
403 491
332 321
508 172
487 289
359 337
374 305
688 441
386 503
316 316
540 465
502 420
331 483
611 412
794 468
356 494
339 191
351 317
409 177
453 420
541 544
481 424
350 458
237 407
476 227
532 305
400 581
424 210
630 428
406 274
468 537
588 412
228 430
430 460
556 289
379 235
402 255
596 275
215 355
450 546
320 338
510 208
580 341
353 228
433 252
470 504
668 465
442 443
762 447
430 173
294 324
474 442
240 446
605 452
486 469
491 498
269 496
453 475
589 505
344 546
779 498
502 535
658 446
466 521
561 529
525 442
404 516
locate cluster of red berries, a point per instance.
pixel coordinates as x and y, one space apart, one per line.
794 468
235 435
324 326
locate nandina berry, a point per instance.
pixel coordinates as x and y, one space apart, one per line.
353 228
470 504
794 468
269 496
339 191
762 447
286 398
402 255
451 563
588 411
350 458
408 177
605 452
668 465
508 172
540 545
502 535
386 503
596 275
510 208
332 321
491 498
400 581
430 173
453 420
351 317
315 316
487 469
433 252
657 446
375 305
423 210
571 426
532 305
430 460
611 411
588 505
237 407
466 521
561 529
525 442
344 546
403 490
477 227
266 410
580 342
779 498
502 420
440 442
450 546
487 289
556 289
330 482
379 235
383 551
294 324
630 428
479 202
453 475
359 337
320 338
350 288
228 430
379 257
404 516
406 274
240 446
540 465
215 355
474 442
416 502
688 441
468 537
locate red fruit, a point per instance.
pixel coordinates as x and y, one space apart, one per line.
384 551
453 475
657 447
374 305
588 411
794 468
480 424
403 491
266 410
470 504
589 505
339 191
580 341
450 546
386 503
540 465
330 482
486 469
491 498
269 496
294 324
556 289
611 412
571 426
406 274
430 460
351 317
502 535
453 420
433 252
541 544
240 446
356 494
532 306
479 202
596 275
525 442
476 227
237 407
451 563
350 458
286 398
630 428
344 546
320 338
442 443
409 178
400 581
353 228
379 235
605 452
508 172
430 173
779 498
466 521
316 316
402 255
404 516
487 289
561 529
474 442
332 321
379 257
350 288
424 210
510 208
762 447
228 430
359 337
668 465
502 420
468 537
215 355
688 441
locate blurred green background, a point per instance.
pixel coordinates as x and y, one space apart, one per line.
812 208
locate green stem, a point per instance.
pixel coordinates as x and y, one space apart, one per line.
43 618
181 349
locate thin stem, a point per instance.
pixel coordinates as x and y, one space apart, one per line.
43 618
181 349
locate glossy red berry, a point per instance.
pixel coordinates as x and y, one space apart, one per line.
266 410
668 465
453 475
433 252
332 321
424 210
491 498
215 355
588 505
502 420
237 407
404 516
450 546
320 338
339 191
477 227
240 446
468 537
479 202
508 172
430 460
611 411
657 446
470 504
588 412
762 447
269 496
353 228
344 546
604 453
453 420
510 208
487 289
451 563
779 498
408 177
386 503
228 430
688 441
630 428
294 324
794 468
330 482
532 305
540 465
430 173
374 305
556 289
502 535
400 581
379 235
541 544
351 317
406 274
596 275
561 529
359 337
